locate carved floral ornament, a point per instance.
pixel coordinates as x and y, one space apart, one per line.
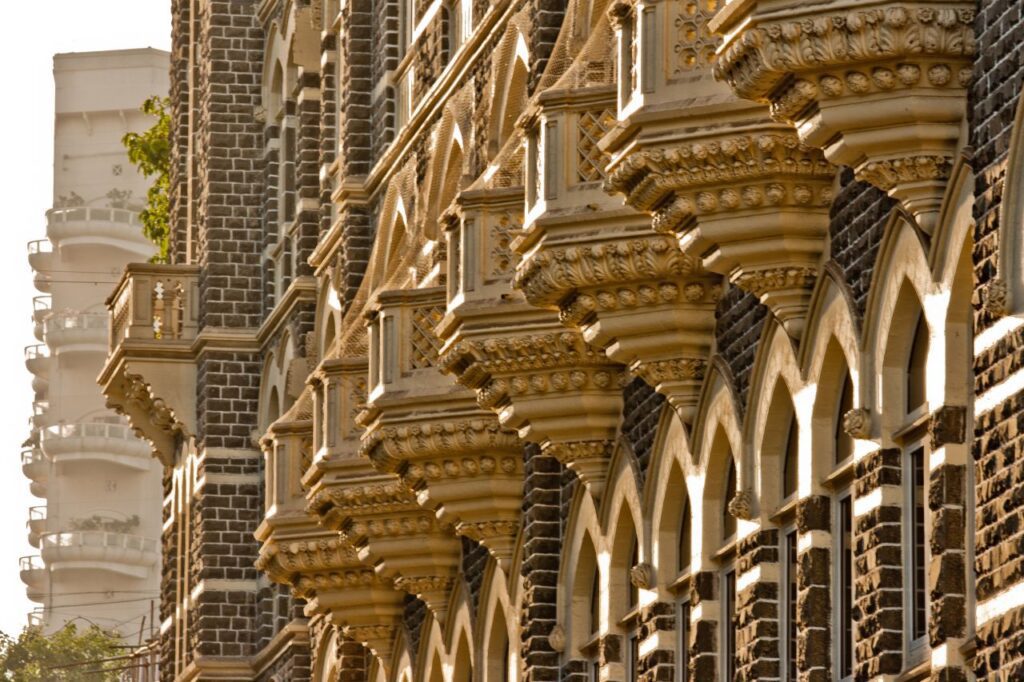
389 446
584 305
548 275
378 498
723 174
764 55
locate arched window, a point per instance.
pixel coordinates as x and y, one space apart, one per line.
595 603
791 462
917 366
632 590
728 520
843 440
685 536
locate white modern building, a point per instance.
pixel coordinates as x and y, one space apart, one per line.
97 522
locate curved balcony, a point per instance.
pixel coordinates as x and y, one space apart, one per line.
128 555
36 618
76 332
37 360
95 441
40 254
42 282
35 466
33 574
36 524
96 226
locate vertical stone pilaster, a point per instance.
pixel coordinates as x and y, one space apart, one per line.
757 606
328 122
657 635
704 640
814 595
947 572
879 566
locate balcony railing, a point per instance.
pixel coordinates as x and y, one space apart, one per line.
37 359
76 331
34 465
95 440
36 524
155 302
40 253
130 555
91 226
33 571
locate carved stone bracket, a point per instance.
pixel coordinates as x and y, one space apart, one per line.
878 86
635 295
748 200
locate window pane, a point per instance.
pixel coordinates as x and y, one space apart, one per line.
728 520
729 624
683 645
916 366
844 443
685 548
918 554
791 596
846 587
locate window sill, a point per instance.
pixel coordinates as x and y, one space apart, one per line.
726 551
681 584
786 511
916 420
841 476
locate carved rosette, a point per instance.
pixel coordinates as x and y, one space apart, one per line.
637 296
468 470
748 201
552 387
879 86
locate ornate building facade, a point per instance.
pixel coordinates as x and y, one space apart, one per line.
588 340
97 529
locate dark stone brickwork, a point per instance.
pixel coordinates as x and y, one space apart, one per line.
384 56
179 112
757 610
878 593
641 412
293 664
413 615
542 547
546 21
353 662
857 223
474 563
740 319
999 472
328 125
227 386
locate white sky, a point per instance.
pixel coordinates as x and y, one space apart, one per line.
26 176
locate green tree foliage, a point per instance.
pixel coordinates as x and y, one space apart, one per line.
68 654
150 151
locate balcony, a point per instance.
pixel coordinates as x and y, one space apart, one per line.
98 227
40 254
128 555
40 414
36 524
37 360
35 466
33 574
96 442
73 332
150 373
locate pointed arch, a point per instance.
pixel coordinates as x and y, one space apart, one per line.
509 78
